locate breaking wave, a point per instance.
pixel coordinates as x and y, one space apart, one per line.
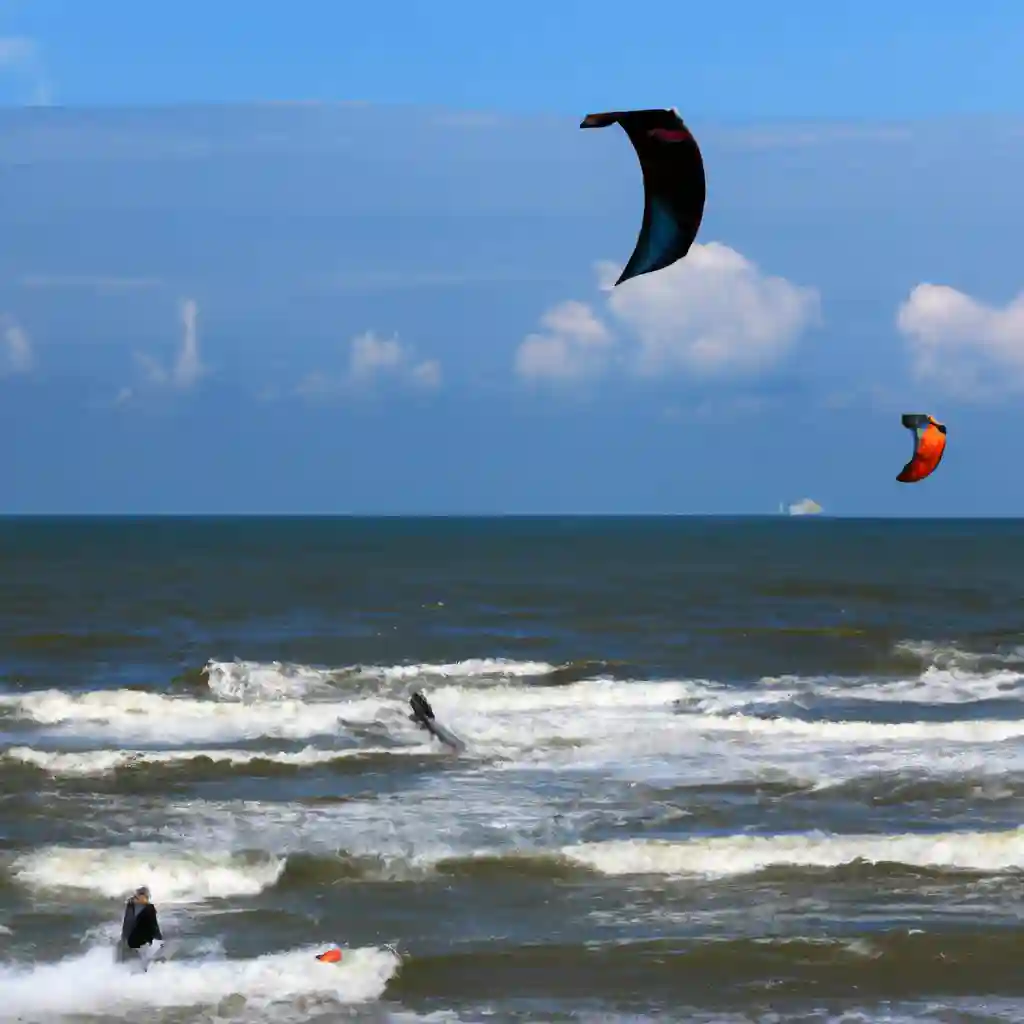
178 875
93 984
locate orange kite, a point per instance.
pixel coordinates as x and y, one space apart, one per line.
929 447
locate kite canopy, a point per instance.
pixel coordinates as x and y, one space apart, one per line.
674 185
929 446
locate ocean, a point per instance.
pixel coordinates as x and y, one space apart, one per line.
758 769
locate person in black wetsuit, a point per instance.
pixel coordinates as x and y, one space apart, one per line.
140 926
423 716
422 712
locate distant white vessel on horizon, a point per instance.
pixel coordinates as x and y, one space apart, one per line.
803 507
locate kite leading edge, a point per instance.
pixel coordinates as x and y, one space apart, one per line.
674 185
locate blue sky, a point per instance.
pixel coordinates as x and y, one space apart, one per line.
389 300
729 59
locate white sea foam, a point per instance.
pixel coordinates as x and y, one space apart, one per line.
452 815
139 717
94 984
951 655
629 729
252 680
297 701
721 856
980 731
173 873
933 686
178 874
481 668
102 762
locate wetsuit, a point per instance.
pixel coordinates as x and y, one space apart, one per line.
421 710
139 928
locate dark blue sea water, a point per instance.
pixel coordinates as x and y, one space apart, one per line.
751 769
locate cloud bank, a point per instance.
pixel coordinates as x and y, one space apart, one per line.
967 348
713 315
373 358
572 344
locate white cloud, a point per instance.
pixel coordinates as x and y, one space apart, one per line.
427 374
372 357
573 344
16 354
187 367
963 346
19 56
713 314
314 385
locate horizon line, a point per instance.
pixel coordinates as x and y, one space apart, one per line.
850 517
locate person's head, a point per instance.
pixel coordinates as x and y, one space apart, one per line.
142 894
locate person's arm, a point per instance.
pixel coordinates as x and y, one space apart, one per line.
129 920
156 927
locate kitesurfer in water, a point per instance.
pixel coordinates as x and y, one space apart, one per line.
140 926
423 716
